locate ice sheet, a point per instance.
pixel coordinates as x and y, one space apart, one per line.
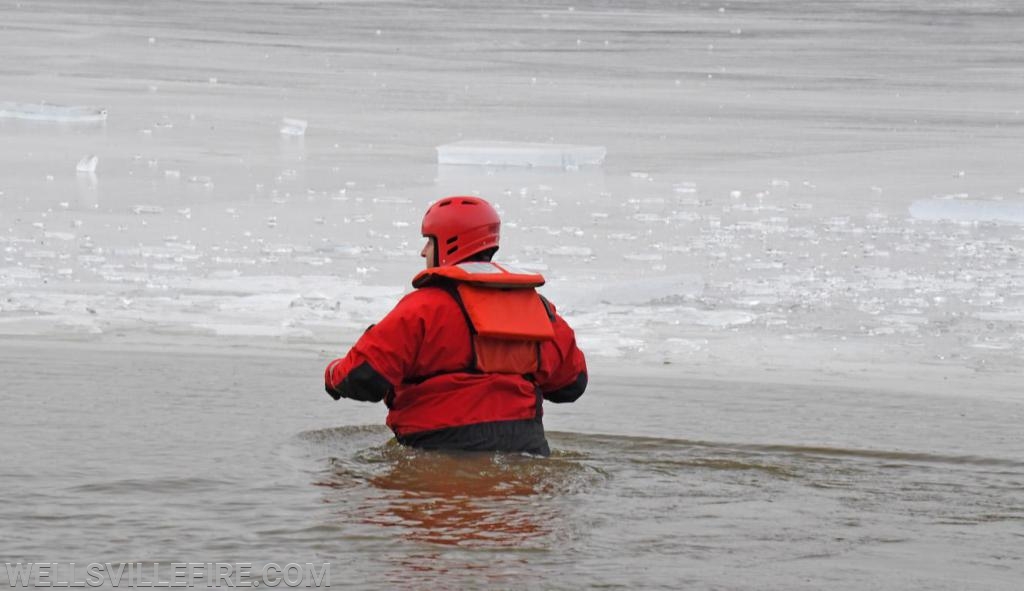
480 153
51 113
969 210
773 194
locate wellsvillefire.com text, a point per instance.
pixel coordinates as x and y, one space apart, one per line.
168 575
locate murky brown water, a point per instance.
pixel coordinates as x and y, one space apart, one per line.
150 455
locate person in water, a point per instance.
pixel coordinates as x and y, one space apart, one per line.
466 360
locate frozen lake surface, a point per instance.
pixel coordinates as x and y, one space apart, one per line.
800 204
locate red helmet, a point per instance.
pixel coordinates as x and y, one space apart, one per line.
461 227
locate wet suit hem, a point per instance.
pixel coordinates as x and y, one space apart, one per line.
526 435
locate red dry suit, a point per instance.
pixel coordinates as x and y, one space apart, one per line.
465 361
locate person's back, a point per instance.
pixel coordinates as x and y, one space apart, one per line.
466 360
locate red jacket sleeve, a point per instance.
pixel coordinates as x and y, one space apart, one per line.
563 375
381 358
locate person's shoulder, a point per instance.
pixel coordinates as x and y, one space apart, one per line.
432 305
430 296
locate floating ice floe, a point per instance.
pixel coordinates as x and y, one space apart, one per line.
968 210
570 251
295 127
51 113
642 257
147 210
87 164
565 156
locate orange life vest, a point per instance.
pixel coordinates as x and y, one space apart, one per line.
508 319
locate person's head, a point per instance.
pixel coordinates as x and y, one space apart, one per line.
460 229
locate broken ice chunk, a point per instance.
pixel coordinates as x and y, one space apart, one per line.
147 210
51 113
87 164
296 127
565 156
570 251
205 181
1011 212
